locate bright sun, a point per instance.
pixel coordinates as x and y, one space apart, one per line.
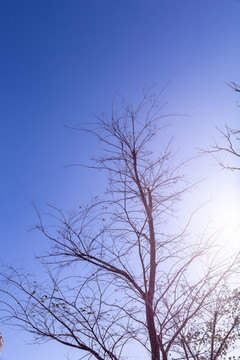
225 212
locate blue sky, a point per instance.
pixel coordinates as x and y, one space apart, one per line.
62 61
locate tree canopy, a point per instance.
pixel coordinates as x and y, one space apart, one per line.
121 278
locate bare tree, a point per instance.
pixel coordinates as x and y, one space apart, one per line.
230 144
118 278
231 141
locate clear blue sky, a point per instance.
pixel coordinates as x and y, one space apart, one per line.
61 62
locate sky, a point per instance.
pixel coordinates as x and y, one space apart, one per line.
62 62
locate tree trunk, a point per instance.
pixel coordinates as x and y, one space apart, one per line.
152 333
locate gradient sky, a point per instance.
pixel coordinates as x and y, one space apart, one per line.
62 61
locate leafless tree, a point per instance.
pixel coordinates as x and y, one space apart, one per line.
230 144
120 277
